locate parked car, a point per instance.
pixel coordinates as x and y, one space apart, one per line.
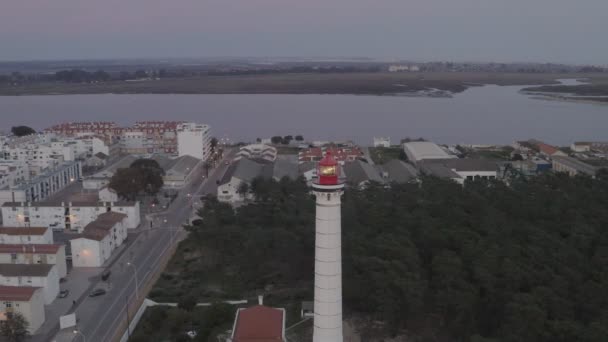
105 275
64 293
97 292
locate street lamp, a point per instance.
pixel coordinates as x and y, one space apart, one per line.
78 332
135 274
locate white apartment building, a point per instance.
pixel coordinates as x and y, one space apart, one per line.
194 140
39 152
27 235
44 276
100 238
43 185
28 301
134 142
73 216
52 254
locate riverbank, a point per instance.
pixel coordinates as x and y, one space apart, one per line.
594 91
412 84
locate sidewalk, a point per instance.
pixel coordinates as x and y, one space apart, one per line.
79 280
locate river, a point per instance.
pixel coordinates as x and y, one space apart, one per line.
481 115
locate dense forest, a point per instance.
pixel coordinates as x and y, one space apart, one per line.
435 260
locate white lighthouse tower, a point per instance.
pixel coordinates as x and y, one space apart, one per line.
328 253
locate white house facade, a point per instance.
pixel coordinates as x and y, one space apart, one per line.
44 276
26 235
52 254
28 301
99 240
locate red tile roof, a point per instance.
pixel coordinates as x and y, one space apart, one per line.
17 293
341 154
23 230
259 324
547 149
33 249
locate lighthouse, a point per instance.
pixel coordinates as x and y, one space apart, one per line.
328 253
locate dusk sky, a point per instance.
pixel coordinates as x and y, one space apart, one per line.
476 30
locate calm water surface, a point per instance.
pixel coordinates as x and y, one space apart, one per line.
489 114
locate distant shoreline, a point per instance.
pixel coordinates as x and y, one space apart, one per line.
416 84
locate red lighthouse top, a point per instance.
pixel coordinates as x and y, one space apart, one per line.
328 170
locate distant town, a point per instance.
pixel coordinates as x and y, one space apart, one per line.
93 211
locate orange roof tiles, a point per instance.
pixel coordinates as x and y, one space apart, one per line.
23 230
17 293
32 249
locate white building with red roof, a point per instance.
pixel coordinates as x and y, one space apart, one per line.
28 301
99 239
35 275
340 154
25 235
52 254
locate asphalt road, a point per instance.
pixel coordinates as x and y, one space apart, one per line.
101 317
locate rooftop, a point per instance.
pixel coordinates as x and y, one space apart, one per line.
420 150
101 227
25 270
259 324
23 231
17 293
31 249
399 171
576 164
358 171
66 204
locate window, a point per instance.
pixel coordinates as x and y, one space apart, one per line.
13 256
8 304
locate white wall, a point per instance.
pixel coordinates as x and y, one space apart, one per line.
50 284
54 217
32 310
86 253
57 259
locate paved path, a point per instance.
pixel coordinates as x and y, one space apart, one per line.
101 317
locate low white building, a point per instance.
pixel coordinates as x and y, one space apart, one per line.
12 173
26 235
44 276
573 166
382 142
100 238
66 215
52 254
194 140
28 301
179 171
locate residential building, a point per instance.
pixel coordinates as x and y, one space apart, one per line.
108 194
382 142
44 185
144 137
44 276
417 151
259 323
28 301
194 140
257 151
239 172
25 235
398 171
52 254
66 215
99 239
39 151
359 173
102 178
573 166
